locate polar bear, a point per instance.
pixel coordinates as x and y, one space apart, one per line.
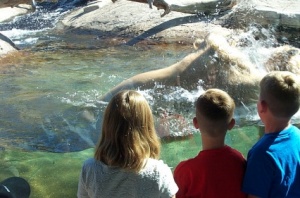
215 64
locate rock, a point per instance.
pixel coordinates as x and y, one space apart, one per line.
266 12
6 45
190 6
8 13
138 23
13 3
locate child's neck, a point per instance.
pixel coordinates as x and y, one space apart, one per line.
209 143
276 126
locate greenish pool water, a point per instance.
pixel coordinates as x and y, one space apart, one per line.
56 174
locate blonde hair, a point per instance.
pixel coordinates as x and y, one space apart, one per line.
128 134
217 108
281 91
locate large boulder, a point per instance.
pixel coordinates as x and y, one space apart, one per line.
134 19
138 23
264 12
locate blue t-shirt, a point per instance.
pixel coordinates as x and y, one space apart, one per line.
273 165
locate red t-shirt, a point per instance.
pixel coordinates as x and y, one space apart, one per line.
211 174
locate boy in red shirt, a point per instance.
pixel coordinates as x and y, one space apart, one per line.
218 170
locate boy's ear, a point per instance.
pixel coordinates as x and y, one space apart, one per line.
195 122
262 106
231 124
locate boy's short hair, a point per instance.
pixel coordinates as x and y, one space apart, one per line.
281 91
215 105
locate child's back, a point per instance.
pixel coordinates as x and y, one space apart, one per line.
126 159
218 170
273 165
213 173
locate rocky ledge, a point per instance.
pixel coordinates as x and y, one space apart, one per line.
137 22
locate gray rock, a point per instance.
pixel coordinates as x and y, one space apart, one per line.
135 20
137 23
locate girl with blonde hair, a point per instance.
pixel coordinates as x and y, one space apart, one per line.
125 162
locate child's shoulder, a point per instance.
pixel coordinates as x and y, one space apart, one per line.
186 164
89 162
154 166
233 151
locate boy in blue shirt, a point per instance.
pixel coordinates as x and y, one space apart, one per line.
273 163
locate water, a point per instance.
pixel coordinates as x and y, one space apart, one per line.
51 99
51 109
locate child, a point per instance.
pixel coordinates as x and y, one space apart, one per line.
273 166
218 170
125 162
